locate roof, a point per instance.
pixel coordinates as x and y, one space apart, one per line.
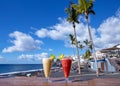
116 47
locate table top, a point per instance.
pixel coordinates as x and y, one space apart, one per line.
37 81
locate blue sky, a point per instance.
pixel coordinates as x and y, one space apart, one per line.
33 29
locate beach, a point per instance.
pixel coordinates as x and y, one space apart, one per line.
57 78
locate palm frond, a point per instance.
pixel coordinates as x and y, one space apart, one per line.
91 12
72 38
86 42
87 54
90 47
72 14
67 10
81 46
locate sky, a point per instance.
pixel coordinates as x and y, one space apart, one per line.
34 29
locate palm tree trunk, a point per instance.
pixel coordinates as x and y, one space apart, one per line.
91 40
73 50
77 53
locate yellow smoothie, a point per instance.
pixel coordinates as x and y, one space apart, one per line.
47 63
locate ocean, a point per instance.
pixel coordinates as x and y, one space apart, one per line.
7 68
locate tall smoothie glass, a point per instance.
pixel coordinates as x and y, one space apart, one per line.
66 65
47 64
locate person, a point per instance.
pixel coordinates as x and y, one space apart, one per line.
39 73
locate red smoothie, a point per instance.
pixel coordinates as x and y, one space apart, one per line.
66 65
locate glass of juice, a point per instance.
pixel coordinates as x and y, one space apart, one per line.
66 65
47 64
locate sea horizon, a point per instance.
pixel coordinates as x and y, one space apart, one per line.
8 68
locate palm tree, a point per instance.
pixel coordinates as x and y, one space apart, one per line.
87 43
73 18
81 46
88 49
72 38
73 41
85 7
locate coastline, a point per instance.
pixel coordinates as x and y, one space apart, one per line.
34 72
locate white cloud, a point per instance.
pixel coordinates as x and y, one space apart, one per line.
118 12
26 56
50 49
59 31
106 35
62 30
109 32
42 55
42 33
22 42
1 57
33 56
